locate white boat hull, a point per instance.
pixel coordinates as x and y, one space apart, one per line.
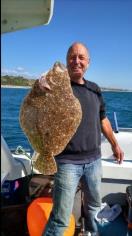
116 177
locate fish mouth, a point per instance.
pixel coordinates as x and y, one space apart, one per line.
46 79
43 84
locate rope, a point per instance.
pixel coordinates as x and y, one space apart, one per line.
20 150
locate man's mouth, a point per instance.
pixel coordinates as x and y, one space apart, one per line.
76 68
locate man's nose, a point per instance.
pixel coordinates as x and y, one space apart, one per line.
76 60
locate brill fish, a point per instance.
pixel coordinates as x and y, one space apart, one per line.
49 116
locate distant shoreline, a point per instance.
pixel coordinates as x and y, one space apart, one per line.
15 86
118 90
102 89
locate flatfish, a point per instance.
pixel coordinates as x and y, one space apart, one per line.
49 116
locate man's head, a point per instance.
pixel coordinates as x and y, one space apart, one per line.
77 61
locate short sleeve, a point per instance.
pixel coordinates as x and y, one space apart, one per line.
96 89
102 105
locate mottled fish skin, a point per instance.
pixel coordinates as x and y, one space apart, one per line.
50 116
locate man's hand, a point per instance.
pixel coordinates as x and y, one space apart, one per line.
118 153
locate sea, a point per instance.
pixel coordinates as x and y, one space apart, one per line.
12 98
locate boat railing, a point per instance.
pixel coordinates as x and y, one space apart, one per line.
125 129
116 123
116 127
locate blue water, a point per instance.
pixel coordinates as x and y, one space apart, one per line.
11 99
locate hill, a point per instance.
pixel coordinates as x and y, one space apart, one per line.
21 81
16 81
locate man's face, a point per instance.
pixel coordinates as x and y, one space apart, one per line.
77 62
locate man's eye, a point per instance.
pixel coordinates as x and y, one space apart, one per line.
81 57
73 58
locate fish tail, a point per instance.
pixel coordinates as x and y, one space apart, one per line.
46 164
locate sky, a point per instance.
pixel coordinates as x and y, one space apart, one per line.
104 26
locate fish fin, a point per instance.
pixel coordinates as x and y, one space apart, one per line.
45 164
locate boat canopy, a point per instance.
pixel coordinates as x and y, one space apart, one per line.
22 14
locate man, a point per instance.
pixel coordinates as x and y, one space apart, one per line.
82 156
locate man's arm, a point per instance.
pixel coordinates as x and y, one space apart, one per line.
108 133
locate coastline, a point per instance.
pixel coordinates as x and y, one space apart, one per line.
14 86
29 87
116 91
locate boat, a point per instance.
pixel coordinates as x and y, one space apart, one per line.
18 166
21 183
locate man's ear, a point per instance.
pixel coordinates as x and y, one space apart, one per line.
88 63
